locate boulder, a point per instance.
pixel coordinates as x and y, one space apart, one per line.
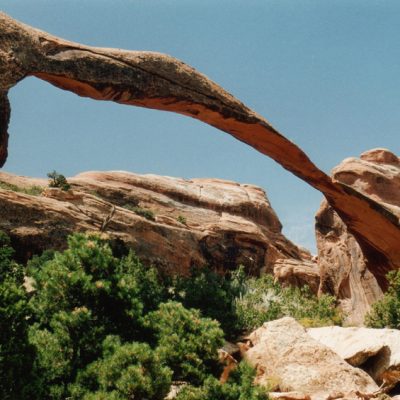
283 353
377 351
297 273
348 270
171 223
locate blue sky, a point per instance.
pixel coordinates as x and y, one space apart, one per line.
324 73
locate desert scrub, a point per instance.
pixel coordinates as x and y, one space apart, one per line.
385 313
181 219
239 386
31 190
58 181
263 300
143 212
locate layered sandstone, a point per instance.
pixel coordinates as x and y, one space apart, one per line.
189 223
345 265
158 81
377 351
287 359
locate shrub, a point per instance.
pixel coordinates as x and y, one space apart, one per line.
125 371
81 296
143 212
214 294
186 342
181 219
265 300
58 181
385 313
16 355
31 190
239 387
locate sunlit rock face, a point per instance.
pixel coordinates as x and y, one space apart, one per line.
171 223
285 355
347 271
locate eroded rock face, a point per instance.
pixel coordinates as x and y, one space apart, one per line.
297 273
159 81
377 351
193 222
285 355
345 266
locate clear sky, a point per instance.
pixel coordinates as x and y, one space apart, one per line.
324 73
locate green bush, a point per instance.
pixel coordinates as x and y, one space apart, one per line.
31 190
212 293
80 297
100 325
125 371
239 387
186 342
265 300
143 212
58 181
385 313
241 303
16 354
181 219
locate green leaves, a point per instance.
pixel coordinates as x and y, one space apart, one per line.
385 313
125 371
186 342
240 386
265 300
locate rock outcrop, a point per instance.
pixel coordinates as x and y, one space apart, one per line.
346 268
377 351
171 223
158 81
287 359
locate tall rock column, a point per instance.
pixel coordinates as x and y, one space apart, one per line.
343 263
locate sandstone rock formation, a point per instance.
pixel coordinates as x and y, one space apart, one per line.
298 273
345 267
189 222
377 351
284 355
154 80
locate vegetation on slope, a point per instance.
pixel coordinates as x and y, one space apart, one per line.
100 325
385 313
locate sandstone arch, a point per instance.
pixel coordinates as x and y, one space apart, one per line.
158 81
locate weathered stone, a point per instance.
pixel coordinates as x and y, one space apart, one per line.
158 81
347 270
283 351
377 351
297 273
195 222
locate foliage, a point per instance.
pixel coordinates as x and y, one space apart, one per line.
16 354
265 300
185 342
241 303
239 387
31 190
181 219
82 296
58 181
143 212
212 293
385 313
125 371
100 325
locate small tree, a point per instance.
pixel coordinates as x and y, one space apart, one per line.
186 342
58 181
